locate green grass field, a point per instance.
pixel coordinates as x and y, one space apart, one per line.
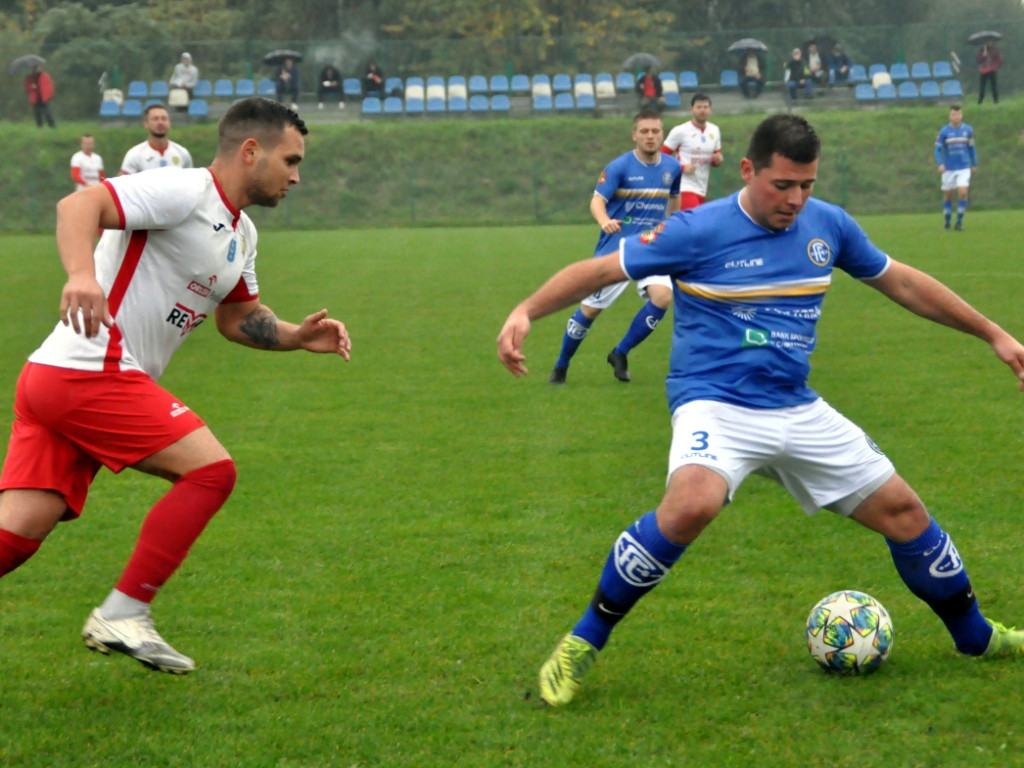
413 531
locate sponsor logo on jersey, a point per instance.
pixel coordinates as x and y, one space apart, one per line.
179 408
819 252
744 263
218 227
651 235
184 318
755 337
635 564
231 250
199 289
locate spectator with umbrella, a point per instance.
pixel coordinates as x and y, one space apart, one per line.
286 78
39 87
751 69
651 91
989 60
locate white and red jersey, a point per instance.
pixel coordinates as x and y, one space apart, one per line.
183 250
691 144
90 169
144 156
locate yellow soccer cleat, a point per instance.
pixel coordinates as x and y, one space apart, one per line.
569 662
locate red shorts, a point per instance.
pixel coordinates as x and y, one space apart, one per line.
68 423
689 200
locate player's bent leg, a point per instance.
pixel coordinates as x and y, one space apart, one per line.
26 518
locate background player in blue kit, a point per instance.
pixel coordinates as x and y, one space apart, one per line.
635 192
957 158
751 272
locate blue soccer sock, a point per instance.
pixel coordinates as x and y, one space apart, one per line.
640 558
643 325
575 331
961 209
947 209
931 567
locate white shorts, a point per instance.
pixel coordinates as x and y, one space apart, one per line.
822 458
956 179
605 297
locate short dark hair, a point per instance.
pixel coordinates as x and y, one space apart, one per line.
151 107
700 97
647 114
788 135
259 118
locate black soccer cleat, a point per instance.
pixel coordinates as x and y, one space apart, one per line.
619 364
959 226
557 375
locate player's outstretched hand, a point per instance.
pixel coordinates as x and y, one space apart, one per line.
84 306
319 333
510 342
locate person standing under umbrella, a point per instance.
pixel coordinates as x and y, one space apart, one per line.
989 61
286 80
39 87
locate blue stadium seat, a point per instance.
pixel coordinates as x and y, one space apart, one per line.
223 89
203 90
672 99
499 84
542 103
540 80
109 109
198 108
137 89
477 84
371 105
585 101
942 70
131 108
858 74
414 106
413 81
435 80
245 87
352 87
500 103
456 103
520 84
874 69
478 103
582 77
392 105
899 72
152 102
886 92
564 101
625 81
456 80
920 70
688 79
158 89
729 78
266 88
864 92
603 77
930 90
561 83
392 86
907 90
668 77
435 105
952 88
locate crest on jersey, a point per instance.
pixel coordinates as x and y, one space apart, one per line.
651 235
819 252
603 178
666 178
176 160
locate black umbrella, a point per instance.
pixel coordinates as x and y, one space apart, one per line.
25 62
747 44
981 37
640 61
278 56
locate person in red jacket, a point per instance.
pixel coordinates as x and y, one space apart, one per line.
39 87
989 61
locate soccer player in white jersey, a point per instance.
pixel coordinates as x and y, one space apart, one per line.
697 145
157 151
86 164
176 250
750 273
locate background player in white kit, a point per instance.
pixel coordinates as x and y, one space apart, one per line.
697 145
86 164
157 151
88 396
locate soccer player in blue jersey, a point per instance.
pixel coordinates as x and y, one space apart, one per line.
750 274
635 192
957 158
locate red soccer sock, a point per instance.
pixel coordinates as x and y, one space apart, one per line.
172 525
15 550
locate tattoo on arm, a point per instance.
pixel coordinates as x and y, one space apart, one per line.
260 326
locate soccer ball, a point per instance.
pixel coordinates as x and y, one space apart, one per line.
849 633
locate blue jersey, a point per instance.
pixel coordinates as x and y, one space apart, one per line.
637 194
748 299
954 147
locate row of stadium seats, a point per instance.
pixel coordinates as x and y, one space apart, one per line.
222 88
109 108
928 89
477 103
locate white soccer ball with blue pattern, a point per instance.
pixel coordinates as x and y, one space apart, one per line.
849 633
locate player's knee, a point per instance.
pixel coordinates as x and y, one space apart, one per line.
218 476
684 525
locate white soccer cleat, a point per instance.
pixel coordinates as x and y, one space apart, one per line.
135 637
